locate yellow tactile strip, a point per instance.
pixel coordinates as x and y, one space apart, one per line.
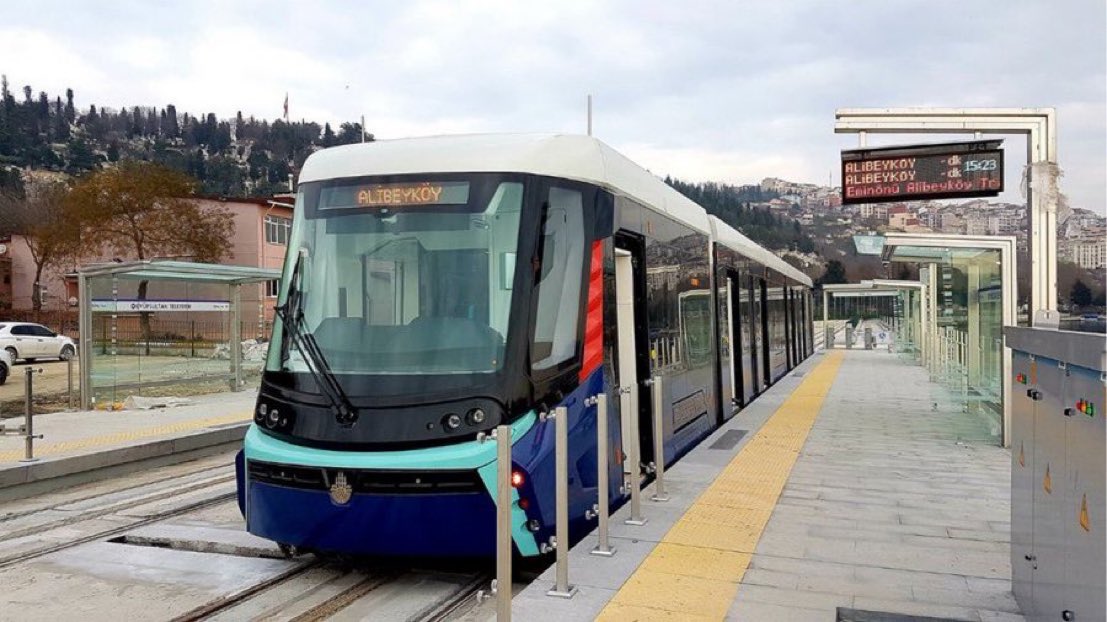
694 572
53 449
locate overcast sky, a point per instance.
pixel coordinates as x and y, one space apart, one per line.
726 91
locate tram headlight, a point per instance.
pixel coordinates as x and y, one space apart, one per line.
452 421
273 418
263 408
476 416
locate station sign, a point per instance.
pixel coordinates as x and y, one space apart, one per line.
920 172
148 306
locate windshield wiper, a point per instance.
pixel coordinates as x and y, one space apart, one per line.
292 318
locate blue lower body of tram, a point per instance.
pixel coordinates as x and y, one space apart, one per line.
453 515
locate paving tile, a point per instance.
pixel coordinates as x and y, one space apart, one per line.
914 608
750 611
697 562
1000 616
677 593
620 612
994 601
793 597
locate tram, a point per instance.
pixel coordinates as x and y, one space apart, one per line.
435 288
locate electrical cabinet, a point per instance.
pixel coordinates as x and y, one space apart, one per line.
1058 473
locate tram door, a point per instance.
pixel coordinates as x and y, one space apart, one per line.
753 320
761 290
632 349
734 321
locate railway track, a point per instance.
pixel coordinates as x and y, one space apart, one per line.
84 498
309 590
102 534
316 591
89 516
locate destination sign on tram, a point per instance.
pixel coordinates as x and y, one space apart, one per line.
396 195
942 171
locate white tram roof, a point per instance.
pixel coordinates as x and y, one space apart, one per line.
581 158
733 239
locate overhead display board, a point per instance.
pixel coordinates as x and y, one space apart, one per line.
920 172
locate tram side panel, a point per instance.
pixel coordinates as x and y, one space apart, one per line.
679 343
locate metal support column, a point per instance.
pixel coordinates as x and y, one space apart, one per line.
29 412
973 337
561 588
603 485
236 337
634 462
502 586
828 334
658 442
84 351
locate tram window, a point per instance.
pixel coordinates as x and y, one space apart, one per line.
558 300
414 292
695 324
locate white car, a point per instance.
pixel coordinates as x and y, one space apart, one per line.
5 365
27 341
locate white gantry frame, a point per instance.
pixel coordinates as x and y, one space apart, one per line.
1040 127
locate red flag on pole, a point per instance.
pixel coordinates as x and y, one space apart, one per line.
286 106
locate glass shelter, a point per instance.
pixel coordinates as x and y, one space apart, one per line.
165 328
967 294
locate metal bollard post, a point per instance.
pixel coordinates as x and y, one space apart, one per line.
30 436
561 588
603 547
635 461
502 589
658 442
69 371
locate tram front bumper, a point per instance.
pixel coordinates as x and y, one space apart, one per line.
424 502
450 525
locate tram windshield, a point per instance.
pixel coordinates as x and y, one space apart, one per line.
408 277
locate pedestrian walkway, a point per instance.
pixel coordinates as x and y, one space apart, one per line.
857 487
87 440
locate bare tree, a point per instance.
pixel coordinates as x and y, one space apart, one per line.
40 218
140 210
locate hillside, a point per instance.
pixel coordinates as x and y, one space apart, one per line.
243 156
731 204
246 156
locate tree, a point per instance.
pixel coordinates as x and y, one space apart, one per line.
40 218
140 210
835 273
70 111
1081 294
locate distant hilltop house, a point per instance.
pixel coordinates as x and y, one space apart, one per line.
260 239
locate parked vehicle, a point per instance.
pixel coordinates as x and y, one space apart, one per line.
5 365
29 342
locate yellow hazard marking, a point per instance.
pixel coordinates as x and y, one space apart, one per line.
124 438
695 571
1047 481
1022 455
1085 522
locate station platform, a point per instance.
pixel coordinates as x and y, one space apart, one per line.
858 490
82 442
